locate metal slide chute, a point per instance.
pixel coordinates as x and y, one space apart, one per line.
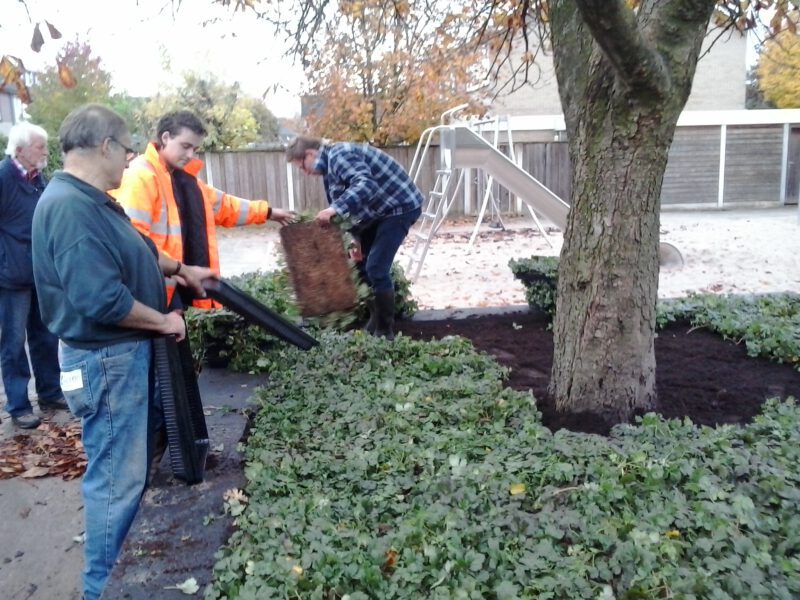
472 151
461 148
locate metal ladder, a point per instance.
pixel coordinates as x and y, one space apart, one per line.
440 198
433 215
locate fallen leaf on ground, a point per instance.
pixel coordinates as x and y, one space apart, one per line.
188 587
34 472
50 450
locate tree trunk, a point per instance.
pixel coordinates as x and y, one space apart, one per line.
624 78
608 275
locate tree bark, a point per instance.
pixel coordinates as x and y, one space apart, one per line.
621 104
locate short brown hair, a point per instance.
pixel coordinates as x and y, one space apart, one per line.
176 121
296 150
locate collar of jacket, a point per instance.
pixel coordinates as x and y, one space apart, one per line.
321 164
193 167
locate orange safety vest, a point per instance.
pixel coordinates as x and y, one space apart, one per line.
147 197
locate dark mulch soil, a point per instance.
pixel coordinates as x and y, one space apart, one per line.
698 374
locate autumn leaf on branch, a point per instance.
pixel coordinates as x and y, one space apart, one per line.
65 75
11 71
55 34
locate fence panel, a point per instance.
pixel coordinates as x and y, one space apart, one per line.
752 174
692 174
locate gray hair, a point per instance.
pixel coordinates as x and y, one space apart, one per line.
88 126
21 136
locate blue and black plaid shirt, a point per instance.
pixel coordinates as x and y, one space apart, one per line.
365 184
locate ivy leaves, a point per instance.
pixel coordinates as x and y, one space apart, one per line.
405 470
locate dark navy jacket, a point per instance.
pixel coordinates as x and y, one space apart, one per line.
18 199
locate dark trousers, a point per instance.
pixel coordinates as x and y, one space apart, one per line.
380 242
19 315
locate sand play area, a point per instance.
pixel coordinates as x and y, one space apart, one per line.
732 251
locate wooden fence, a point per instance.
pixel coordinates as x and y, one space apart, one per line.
708 166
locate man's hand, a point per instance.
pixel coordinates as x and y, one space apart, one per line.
324 216
192 276
282 216
174 324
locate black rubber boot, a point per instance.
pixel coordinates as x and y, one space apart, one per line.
372 323
384 314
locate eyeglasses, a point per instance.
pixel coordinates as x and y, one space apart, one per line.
130 153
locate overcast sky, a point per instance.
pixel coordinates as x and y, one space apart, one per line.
133 39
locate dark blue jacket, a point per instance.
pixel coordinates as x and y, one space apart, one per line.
18 199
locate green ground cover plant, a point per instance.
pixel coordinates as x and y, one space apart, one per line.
768 325
539 275
406 470
222 338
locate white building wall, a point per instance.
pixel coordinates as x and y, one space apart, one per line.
719 83
7 115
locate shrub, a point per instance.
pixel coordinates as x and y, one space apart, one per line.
539 275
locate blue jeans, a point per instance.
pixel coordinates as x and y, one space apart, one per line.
380 242
111 389
19 313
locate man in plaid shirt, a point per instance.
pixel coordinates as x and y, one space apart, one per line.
372 190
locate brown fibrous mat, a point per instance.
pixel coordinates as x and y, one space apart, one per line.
318 267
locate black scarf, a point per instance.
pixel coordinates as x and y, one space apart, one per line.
194 233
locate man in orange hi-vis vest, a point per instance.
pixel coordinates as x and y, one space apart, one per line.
166 201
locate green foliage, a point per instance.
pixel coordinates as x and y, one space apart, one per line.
232 119
405 470
221 337
55 158
539 275
266 122
768 325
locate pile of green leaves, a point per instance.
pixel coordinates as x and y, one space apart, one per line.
405 470
220 337
539 275
768 325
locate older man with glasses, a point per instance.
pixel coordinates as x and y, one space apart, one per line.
101 290
21 185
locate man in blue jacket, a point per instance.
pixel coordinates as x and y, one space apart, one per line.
371 189
21 184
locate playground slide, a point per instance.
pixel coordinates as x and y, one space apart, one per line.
472 151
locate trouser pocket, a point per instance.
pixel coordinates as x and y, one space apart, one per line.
74 379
